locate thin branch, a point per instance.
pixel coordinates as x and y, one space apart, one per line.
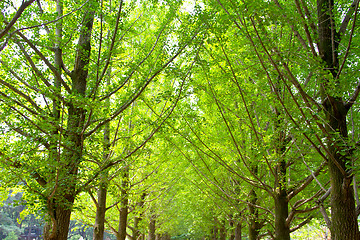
306 221
16 164
49 22
46 61
348 46
353 7
18 13
113 40
28 135
296 33
42 12
140 90
306 29
21 94
308 180
138 65
353 98
320 203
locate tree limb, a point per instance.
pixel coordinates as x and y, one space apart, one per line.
353 98
18 13
306 221
347 18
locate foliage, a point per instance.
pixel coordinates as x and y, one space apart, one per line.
202 115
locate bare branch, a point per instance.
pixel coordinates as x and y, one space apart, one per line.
320 203
325 215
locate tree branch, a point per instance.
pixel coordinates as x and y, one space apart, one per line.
307 181
353 98
347 18
18 13
46 61
306 221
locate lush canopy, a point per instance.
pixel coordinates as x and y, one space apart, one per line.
216 119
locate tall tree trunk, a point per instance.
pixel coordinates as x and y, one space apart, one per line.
343 215
282 230
61 200
137 219
254 223
124 208
238 231
231 223
136 232
222 232
99 226
152 226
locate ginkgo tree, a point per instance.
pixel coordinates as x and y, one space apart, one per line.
254 104
316 69
54 88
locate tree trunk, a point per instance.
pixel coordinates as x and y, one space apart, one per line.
231 223
137 219
254 224
343 212
222 232
214 235
238 231
282 231
136 232
152 226
59 228
61 200
99 226
124 208
343 215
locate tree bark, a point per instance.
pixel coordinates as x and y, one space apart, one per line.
238 231
137 219
222 232
282 228
254 223
99 226
124 208
282 231
343 212
62 198
152 229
